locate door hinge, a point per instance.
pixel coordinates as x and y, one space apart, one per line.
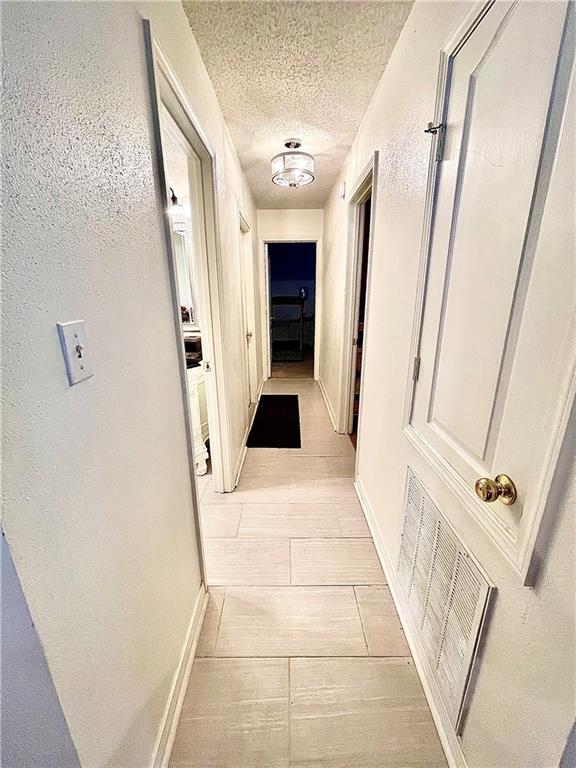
416 369
207 366
439 130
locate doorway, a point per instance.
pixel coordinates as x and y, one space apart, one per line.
292 304
182 170
360 249
185 168
248 311
359 316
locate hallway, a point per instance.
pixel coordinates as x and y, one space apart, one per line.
302 660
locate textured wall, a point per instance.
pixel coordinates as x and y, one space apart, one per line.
34 731
286 224
99 514
522 705
282 69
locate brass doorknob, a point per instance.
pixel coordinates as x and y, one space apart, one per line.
501 488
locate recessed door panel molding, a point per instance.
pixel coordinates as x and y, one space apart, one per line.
494 331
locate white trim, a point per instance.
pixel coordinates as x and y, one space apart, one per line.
267 341
364 187
266 351
219 416
327 402
448 738
242 456
161 191
169 723
246 270
477 13
516 549
244 226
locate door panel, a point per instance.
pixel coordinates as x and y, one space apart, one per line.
481 403
247 286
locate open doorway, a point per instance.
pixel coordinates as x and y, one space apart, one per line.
359 258
248 311
186 186
365 209
292 303
183 180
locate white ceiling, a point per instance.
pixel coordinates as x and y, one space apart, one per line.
302 69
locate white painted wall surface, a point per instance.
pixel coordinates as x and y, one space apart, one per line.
332 284
99 511
522 705
34 730
290 223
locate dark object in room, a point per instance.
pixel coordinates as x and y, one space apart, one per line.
277 423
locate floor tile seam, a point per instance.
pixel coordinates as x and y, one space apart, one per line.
220 620
299 586
286 586
328 476
292 656
278 503
361 621
289 707
341 584
239 521
292 538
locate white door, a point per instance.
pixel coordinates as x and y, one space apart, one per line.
247 285
497 343
354 380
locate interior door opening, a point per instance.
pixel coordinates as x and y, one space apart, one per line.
292 297
183 180
362 254
248 311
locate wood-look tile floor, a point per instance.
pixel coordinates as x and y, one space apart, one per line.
302 660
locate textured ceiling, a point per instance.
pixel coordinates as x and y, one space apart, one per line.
303 69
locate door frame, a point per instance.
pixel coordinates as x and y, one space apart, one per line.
165 87
519 558
267 338
365 187
247 290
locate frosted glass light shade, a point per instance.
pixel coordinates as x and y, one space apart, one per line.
292 169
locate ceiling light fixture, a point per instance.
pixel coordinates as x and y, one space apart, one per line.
292 169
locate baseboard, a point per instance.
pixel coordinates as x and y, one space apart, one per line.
242 456
328 403
449 739
167 730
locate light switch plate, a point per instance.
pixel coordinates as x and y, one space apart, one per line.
75 350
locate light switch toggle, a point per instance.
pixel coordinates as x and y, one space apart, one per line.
74 348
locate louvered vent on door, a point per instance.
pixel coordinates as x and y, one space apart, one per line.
446 591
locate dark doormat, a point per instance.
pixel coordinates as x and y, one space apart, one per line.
276 424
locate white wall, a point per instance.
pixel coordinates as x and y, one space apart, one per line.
99 511
34 731
522 705
290 224
332 284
